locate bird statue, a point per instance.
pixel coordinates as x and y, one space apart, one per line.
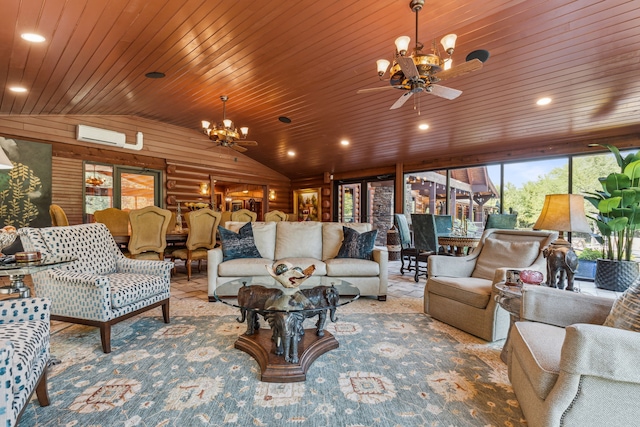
288 275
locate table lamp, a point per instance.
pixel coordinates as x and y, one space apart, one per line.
562 212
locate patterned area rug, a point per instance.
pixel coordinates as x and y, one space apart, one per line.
391 369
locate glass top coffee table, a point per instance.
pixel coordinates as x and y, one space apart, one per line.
18 270
286 350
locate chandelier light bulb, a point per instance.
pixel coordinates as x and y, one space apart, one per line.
244 130
383 64
205 124
449 42
402 44
227 123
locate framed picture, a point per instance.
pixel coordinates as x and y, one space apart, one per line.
236 205
306 204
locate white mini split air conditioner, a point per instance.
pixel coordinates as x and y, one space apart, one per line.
106 137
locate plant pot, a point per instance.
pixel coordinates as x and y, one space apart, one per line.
586 269
616 275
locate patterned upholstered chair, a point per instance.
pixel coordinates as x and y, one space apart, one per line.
24 354
203 226
244 215
103 286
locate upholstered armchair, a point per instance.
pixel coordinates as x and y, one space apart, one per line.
566 368
116 220
460 291
244 215
102 287
203 226
24 354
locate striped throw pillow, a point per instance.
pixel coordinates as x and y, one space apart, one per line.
625 313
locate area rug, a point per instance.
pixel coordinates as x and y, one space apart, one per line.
391 369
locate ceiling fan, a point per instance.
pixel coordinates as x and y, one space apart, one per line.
225 134
419 72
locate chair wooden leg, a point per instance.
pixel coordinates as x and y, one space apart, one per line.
105 336
165 312
188 269
42 391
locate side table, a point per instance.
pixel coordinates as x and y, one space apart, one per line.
509 297
17 270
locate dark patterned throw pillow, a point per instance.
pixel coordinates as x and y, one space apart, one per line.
238 245
357 245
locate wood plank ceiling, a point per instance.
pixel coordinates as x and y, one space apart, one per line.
306 59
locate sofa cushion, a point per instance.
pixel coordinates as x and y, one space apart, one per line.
129 288
350 267
473 291
238 245
332 236
264 236
625 313
30 340
357 245
538 348
500 253
303 262
298 239
242 267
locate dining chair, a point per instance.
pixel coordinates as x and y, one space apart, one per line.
58 217
202 225
275 216
224 218
408 251
149 227
244 215
501 221
425 240
116 220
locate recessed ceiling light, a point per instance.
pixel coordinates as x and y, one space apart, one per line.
344 142
291 153
423 126
543 101
154 75
18 89
31 37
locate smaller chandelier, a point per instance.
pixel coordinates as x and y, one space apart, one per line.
224 131
94 180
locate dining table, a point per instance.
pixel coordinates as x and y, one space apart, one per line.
458 245
173 238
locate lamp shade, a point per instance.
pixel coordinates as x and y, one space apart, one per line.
5 163
563 212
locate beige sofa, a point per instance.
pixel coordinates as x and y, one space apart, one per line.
301 244
460 291
566 368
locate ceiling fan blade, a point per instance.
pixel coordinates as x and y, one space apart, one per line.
444 92
408 67
377 89
400 102
247 143
237 148
467 67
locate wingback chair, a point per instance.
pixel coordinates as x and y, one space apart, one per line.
566 368
203 226
116 220
58 217
460 291
275 216
149 227
102 287
244 215
24 355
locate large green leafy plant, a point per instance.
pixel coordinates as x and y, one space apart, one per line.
618 206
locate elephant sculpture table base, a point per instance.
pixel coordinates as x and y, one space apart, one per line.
273 368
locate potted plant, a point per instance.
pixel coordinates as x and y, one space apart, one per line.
587 263
618 217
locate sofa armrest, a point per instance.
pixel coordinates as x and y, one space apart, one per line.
6 383
214 258
601 351
142 266
381 256
562 308
25 309
451 266
75 278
